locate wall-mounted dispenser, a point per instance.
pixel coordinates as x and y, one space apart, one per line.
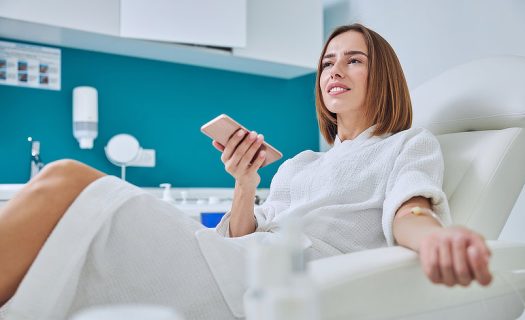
85 116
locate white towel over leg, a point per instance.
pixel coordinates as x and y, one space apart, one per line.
118 244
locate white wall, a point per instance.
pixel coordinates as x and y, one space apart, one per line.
431 36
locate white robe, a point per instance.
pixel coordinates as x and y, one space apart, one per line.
348 195
118 244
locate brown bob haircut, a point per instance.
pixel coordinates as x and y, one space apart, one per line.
387 100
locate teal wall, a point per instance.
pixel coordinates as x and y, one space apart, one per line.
163 105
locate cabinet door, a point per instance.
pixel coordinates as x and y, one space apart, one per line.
99 16
219 23
284 31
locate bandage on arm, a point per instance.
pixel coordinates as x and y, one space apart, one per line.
418 211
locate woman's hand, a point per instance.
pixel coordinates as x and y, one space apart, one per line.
455 255
242 158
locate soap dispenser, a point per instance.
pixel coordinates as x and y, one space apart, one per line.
166 194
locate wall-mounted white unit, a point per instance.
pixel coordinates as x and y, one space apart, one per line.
219 23
288 32
99 16
264 37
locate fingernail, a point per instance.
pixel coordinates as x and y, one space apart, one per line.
260 137
240 133
262 154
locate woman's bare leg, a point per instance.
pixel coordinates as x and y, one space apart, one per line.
27 220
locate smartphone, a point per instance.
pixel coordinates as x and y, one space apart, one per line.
223 127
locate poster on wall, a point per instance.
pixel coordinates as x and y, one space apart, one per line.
29 65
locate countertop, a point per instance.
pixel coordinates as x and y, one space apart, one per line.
193 201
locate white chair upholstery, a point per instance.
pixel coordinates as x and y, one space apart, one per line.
477 111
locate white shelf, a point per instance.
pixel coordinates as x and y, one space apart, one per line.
19 30
7 191
221 24
195 204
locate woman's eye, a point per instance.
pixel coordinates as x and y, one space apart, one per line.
352 61
325 65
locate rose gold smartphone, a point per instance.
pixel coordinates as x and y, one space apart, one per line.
223 127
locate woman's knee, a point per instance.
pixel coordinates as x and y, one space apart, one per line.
67 171
68 167
60 167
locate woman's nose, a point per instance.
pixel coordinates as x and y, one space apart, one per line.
336 72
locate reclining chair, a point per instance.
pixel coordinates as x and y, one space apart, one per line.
477 111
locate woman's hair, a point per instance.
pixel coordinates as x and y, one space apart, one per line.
387 101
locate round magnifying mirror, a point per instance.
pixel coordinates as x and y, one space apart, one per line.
122 149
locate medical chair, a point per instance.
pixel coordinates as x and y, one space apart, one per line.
477 111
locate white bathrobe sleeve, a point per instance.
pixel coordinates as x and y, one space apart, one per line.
418 171
278 200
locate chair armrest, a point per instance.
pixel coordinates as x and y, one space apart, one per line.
387 283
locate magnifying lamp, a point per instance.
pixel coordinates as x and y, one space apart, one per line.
124 150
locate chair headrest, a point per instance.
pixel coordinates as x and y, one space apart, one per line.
484 94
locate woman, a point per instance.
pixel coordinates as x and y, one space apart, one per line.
377 186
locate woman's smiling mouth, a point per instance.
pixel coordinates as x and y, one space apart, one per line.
335 89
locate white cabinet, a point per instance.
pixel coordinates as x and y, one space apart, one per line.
222 24
287 32
279 38
99 16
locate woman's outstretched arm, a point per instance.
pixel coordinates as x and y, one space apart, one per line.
449 255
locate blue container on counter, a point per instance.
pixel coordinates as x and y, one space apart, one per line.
211 219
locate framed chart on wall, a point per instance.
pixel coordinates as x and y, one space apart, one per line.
30 65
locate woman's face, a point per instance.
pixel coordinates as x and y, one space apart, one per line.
344 74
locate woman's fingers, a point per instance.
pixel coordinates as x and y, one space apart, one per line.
218 146
231 145
242 148
244 154
455 255
479 242
248 156
478 256
259 160
462 270
446 263
479 264
430 261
